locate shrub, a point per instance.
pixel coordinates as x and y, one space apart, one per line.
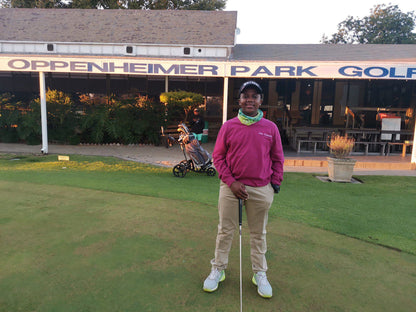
9 116
63 121
136 119
340 146
30 128
133 120
181 101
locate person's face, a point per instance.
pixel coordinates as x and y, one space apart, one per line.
250 102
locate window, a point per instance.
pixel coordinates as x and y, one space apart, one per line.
186 51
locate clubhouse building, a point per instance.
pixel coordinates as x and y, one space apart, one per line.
368 91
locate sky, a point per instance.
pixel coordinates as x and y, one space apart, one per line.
299 21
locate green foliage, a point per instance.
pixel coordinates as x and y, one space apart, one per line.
133 120
180 101
386 24
19 121
44 4
94 4
9 116
62 118
93 126
30 128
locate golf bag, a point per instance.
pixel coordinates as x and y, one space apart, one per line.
196 158
199 156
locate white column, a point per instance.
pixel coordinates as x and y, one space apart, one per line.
413 161
166 83
225 101
43 113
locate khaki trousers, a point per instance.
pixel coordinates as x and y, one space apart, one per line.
257 208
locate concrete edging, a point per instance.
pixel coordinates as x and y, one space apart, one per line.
358 164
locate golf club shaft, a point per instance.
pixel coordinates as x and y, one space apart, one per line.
240 220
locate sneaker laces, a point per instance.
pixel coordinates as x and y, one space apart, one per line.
215 274
262 279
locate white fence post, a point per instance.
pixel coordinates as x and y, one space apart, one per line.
225 101
43 113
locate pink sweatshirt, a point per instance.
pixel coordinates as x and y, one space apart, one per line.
252 154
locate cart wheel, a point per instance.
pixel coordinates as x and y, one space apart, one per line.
189 165
211 172
179 171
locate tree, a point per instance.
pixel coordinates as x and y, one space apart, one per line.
181 100
44 4
210 5
385 24
94 4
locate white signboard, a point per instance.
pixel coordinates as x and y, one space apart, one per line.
128 66
133 66
392 124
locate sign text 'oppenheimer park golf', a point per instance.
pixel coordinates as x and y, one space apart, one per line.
357 70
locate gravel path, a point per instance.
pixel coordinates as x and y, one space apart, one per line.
157 155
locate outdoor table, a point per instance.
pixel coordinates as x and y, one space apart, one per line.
404 145
311 135
368 135
369 138
404 134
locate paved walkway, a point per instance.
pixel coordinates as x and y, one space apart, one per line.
159 155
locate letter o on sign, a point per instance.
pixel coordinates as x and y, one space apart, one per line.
376 72
19 64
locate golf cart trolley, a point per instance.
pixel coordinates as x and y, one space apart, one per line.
199 159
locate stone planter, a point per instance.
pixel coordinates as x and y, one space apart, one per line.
340 169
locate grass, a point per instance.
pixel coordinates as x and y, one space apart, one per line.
381 210
109 235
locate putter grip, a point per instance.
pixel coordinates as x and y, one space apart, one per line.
240 211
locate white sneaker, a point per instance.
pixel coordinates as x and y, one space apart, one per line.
263 286
211 282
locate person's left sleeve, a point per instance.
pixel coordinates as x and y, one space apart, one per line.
277 158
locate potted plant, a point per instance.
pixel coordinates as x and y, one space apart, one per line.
340 167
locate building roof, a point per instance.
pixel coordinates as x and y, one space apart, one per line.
158 27
325 52
175 28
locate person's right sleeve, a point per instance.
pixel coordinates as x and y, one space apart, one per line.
220 157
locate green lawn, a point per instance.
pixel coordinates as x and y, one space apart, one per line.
100 234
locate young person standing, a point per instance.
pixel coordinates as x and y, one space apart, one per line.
248 156
197 122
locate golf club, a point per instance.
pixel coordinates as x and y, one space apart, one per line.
240 220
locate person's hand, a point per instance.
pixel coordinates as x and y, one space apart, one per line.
239 190
276 188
